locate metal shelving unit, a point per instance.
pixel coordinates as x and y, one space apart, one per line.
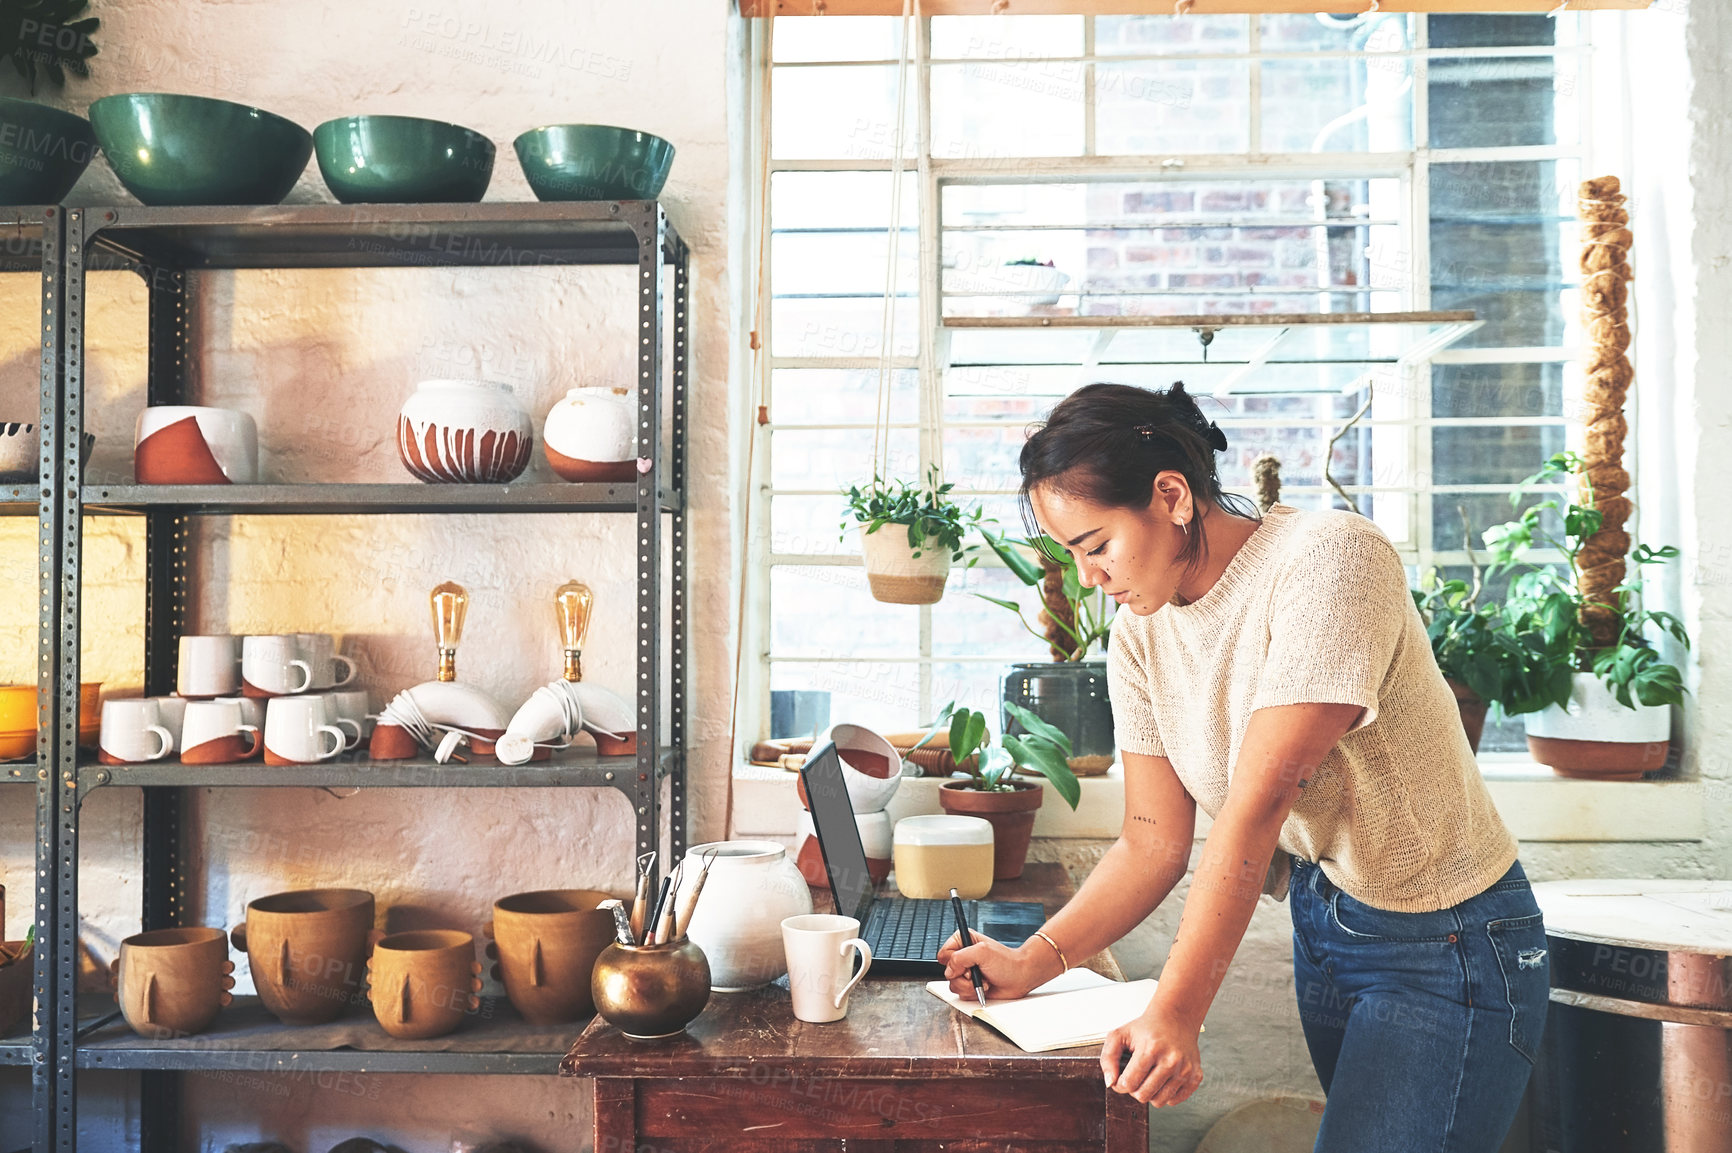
164 246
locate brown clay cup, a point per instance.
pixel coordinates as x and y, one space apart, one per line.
423 983
308 951
172 982
546 944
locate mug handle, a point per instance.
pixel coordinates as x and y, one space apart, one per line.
403 1001
167 743
342 741
238 937
149 1000
346 677
348 723
865 964
251 749
306 676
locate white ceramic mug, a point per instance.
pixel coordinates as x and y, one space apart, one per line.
820 949
298 731
172 710
349 707
210 666
216 732
271 666
252 710
320 653
132 732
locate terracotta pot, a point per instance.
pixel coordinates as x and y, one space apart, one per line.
464 432
191 444
1596 738
751 888
15 986
1472 707
1011 815
546 944
591 435
172 982
307 949
895 575
423 983
650 992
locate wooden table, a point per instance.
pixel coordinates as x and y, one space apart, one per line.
901 1073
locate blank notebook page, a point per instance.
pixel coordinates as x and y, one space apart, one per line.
1077 1008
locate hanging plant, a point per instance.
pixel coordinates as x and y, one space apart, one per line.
909 567
46 38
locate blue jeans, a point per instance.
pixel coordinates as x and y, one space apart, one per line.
1423 1027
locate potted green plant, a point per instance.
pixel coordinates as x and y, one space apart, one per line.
1069 692
989 788
1594 705
15 981
909 563
1470 643
1043 279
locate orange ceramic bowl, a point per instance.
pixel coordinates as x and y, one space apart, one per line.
18 718
17 708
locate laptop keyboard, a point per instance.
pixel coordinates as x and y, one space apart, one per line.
909 928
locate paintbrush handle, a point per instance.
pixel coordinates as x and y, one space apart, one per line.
640 908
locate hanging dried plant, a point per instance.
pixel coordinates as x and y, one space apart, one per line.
1266 472
1605 483
1057 614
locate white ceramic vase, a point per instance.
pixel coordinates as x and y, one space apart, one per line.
1597 737
752 886
895 574
464 432
193 444
591 435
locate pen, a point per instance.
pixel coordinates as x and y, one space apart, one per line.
967 940
655 917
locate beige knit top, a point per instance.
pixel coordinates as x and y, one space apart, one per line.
1315 608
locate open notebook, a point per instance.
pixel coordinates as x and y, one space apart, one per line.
1077 1008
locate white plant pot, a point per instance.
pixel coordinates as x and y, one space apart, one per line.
591 435
751 888
464 432
193 444
1598 738
895 574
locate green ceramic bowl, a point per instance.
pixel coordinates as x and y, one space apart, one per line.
182 150
593 162
43 152
402 160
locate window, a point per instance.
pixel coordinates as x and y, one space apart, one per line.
1203 164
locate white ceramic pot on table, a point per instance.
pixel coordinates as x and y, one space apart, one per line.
752 888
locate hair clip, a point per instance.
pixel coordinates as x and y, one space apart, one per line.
1217 438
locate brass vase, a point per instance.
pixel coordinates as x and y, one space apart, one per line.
651 992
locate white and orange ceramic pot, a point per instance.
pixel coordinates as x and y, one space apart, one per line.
464 432
591 435
191 444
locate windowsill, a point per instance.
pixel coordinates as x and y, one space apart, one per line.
1536 805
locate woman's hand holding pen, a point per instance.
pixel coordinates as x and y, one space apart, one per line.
1008 972
1153 1058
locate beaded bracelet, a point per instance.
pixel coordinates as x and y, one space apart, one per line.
1061 957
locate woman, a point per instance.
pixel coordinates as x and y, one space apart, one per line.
1274 672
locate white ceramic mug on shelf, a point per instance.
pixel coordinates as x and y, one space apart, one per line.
319 650
172 710
271 666
298 731
820 949
350 707
210 666
252 710
133 732
216 732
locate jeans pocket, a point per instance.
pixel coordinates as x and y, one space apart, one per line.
1358 921
1520 946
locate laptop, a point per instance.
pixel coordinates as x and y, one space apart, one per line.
905 933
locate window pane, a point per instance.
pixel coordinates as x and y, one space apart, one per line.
882 696
1499 232
841 328
1454 513
973 684
1012 108
1337 105
1005 37
811 526
1482 31
827 611
964 625
1512 319
1172 106
844 113
1497 390
840 200
838 396
842 263
1314 32
839 38
1164 36
832 460
1502 101
1486 455
984 457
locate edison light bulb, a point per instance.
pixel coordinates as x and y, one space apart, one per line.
571 605
450 603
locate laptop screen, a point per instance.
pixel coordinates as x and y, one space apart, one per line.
838 835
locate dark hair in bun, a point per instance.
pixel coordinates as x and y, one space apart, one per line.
1106 443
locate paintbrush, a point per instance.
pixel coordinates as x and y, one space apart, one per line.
689 903
640 903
